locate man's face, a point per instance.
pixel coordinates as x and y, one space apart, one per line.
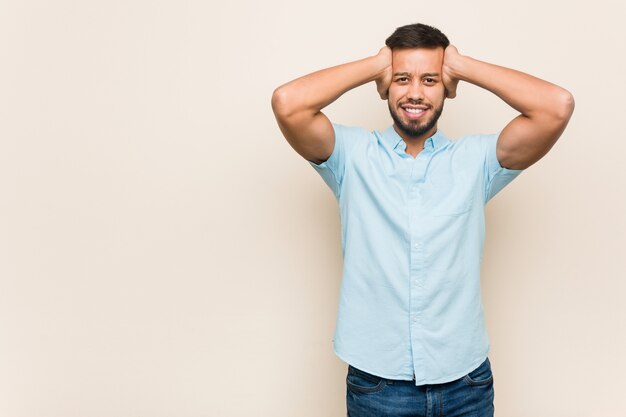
416 93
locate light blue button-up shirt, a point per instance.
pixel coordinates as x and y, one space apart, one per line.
412 240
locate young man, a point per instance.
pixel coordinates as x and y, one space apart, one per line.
410 322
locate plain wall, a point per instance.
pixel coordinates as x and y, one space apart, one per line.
164 251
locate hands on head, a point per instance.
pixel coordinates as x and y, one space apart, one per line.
383 81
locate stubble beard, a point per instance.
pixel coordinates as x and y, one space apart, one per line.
415 129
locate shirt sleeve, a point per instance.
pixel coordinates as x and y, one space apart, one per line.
333 169
496 176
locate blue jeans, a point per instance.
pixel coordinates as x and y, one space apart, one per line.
372 396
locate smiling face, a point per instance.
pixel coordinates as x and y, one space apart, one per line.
416 93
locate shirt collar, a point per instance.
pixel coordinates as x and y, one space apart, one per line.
396 142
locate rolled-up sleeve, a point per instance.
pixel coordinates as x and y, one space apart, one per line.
495 175
333 169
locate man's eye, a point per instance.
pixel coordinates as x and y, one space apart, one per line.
430 80
402 79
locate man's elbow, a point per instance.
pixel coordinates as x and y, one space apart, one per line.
565 106
280 103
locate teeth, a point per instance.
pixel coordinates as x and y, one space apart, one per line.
414 111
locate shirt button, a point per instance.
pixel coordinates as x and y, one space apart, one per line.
416 245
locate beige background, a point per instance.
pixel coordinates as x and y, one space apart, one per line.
164 252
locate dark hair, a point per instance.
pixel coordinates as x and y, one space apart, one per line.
417 35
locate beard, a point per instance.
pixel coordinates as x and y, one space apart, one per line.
415 128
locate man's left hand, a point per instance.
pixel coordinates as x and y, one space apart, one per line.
450 57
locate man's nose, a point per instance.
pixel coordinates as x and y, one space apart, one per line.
416 91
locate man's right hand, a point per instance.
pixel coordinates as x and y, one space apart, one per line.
383 81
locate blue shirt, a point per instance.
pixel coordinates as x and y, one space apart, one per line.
412 242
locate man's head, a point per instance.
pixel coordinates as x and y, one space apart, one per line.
416 92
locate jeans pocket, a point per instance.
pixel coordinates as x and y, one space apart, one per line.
481 375
361 382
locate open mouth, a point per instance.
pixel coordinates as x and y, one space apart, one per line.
414 112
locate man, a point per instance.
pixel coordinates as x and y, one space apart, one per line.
410 322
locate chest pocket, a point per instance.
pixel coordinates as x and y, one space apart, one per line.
450 194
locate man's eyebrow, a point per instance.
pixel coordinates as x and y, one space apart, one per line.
408 74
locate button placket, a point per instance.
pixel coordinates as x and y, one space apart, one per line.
417 259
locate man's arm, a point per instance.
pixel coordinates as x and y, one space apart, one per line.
297 105
545 108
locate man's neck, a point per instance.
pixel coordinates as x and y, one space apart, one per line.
415 144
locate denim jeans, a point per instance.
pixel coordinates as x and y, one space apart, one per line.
472 395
